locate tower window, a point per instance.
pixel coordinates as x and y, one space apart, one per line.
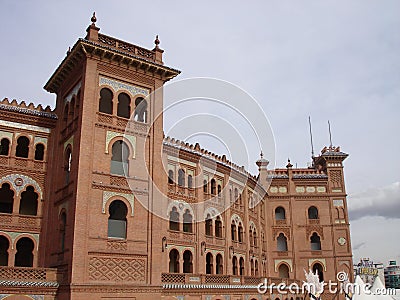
4 146
313 213
6 199
213 187
282 242
317 268
187 262
29 202
67 164
140 114
240 233
209 225
117 220
24 255
315 242
4 246
234 265
124 106
120 159
174 261
187 222
209 263
22 147
39 152
170 177
280 213
190 181
174 219
241 266
106 104
283 271
218 227
219 264
181 177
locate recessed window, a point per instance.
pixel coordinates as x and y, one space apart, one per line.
209 263
187 262
140 114
280 213
187 222
4 146
22 147
6 199
29 202
117 220
24 254
39 152
105 103
120 158
315 242
174 261
174 219
124 106
4 246
313 213
282 242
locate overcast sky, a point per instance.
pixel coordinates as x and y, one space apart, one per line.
336 60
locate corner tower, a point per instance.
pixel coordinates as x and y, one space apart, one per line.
102 164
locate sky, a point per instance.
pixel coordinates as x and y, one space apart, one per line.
331 60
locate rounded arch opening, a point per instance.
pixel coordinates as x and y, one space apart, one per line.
117 222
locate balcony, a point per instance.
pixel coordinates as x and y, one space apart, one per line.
176 191
24 163
26 222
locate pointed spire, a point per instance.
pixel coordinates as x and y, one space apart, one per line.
93 19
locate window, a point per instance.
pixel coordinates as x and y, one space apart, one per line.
66 114
315 242
187 262
124 106
256 268
219 189
187 221
29 202
313 213
219 264
218 227
72 109
205 186
106 104
174 219
63 224
190 181
209 263
174 261
233 231
255 238
140 114
170 177
39 152
213 187
6 199
120 159
283 271
317 268
67 164
240 233
241 266
4 245
22 147
4 146
282 242
181 177
280 213
251 237
252 267
117 220
234 266
24 255
208 225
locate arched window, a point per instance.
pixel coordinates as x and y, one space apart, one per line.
251 267
209 225
219 189
219 264
240 233
282 242
174 219
174 261
236 194
67 164
29 202
124 106
66 114
213 187
4 245
209 263
280 213
22 147
205 186
181 177
120 159
39 152
255 238
24 255
251 237
234 266
187 221
187 262
6 199
170 177
283 271
315 242
233 231
256 268
313 213
63 224
241 266
140 114
106 104
117 220
4 146
190 181
72 109
218 227
317 268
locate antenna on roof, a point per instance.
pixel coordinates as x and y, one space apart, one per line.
330 134
312 144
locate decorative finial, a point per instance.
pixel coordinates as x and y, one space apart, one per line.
157 41
289 165
261 154
93 19
69 50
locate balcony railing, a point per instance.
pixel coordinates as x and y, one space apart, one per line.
25 221
33 276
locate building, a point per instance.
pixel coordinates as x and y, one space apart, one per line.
75 183
368 271
392 275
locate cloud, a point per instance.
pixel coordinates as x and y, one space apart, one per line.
358 246
382 201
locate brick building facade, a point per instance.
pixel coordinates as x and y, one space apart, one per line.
78 186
